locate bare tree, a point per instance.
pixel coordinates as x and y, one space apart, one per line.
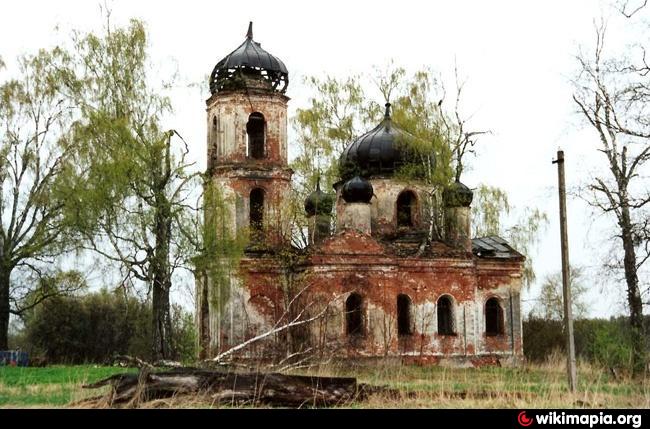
630 8
455 127
613 96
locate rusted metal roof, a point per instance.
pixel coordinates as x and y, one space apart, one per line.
249 58
493 247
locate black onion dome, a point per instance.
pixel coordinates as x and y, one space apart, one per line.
249 59
379 152
318 202
457 195
357 190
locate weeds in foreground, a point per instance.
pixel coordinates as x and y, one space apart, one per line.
528 386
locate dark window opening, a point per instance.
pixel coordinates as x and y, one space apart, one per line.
256 209
255 134
404 315
493 317
354 315
445 316
214 136
405 208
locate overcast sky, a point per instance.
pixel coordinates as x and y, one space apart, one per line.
518 58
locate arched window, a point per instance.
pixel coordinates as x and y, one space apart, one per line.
256 214
445 316
406 202
214 135
255 135
403 315
354 314
493 317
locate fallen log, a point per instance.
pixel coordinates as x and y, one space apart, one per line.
124 360
272 389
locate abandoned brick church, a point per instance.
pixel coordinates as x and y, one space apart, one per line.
370 282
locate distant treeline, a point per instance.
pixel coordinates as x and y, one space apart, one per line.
600 341
94 327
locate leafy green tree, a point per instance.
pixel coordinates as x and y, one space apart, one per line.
433 155
36 149
343 110
48 284
333 119
131 173
443 142
491 216
216 262
550 304
184 335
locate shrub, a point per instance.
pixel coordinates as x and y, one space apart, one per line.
97 326
601 341
541 337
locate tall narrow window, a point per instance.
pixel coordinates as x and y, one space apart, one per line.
256 209
493 317
354 314
214 136
255 135
403 315
405 208
445 316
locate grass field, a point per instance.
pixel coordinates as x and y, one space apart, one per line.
531 386
54 386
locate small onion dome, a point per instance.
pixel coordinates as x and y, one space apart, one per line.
357 190
249 59
318 202
457 195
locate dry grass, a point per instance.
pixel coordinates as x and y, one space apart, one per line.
529 386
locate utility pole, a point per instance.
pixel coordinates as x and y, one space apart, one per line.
566 287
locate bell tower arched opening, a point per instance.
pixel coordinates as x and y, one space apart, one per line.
255 136
256 215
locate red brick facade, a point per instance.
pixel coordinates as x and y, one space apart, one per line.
371 288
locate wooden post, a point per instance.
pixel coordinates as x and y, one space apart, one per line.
566 286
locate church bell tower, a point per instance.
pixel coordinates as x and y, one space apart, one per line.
247 140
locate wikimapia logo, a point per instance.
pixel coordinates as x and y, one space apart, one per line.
524 420
563 418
